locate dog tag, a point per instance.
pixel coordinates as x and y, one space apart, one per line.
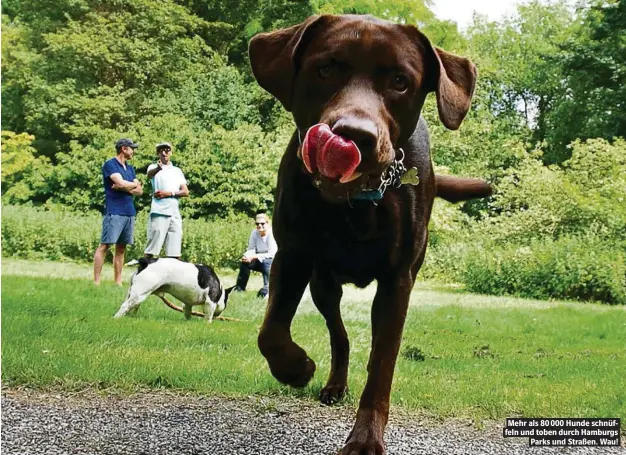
410 177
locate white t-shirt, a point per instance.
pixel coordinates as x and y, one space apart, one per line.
169 178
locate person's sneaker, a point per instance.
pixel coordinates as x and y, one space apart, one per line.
262 294
237 289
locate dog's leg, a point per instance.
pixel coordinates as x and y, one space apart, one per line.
288 362
131 304
133 309
141 287
209 309
388 315
187 311
326 293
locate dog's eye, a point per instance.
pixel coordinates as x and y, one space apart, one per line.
325 71
400 83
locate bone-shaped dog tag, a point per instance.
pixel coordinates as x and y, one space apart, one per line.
410 177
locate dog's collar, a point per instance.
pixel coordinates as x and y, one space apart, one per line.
394 176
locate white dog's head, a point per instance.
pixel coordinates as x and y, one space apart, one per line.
208 279
222 301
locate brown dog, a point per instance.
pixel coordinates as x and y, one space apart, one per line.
355 188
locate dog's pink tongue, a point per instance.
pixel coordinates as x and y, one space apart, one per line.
334 156
339 158
314 140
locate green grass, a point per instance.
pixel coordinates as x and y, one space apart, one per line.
481 357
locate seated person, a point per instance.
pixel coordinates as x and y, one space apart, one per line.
261 250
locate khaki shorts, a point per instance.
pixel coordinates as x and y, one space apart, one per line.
165 229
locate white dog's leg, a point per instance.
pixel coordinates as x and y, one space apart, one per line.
130 304
209 310
141 287
187 311
130 288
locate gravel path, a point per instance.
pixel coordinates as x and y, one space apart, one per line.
164 424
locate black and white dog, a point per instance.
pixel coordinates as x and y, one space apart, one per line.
192 284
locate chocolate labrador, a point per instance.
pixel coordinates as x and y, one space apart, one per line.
355 188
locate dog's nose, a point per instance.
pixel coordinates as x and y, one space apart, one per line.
362 132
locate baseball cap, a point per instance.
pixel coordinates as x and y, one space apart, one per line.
163 145
125 143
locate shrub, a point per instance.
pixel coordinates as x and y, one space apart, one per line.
586 194
22 169
578 268
551 232
57 235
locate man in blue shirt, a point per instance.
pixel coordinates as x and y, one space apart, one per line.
120 185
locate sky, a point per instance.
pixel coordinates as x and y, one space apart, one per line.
461 11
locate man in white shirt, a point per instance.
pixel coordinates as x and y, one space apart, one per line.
261 251
165 225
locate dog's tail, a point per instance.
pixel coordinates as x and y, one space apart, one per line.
142 263
177 308
457 189
195 313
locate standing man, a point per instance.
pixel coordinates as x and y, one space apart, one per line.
120 185
261 251
165 225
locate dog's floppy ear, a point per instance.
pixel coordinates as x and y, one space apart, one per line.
454 87
451 77
272 58
227 293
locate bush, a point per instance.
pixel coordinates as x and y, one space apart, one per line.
549 231
585 195
577 268
22 169
37 234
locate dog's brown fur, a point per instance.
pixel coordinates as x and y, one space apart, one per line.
367 79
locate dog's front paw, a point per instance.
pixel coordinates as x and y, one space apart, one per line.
295 371
366 438
333 393
290 364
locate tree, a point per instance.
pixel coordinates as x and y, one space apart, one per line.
594 67
23 173
518 62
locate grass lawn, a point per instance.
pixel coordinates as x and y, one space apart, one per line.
463 355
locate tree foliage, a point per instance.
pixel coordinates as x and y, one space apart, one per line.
561 71
80 73
24 174
594 67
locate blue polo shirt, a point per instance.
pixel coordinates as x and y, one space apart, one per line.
118 202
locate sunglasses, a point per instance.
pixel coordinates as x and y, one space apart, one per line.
260 224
